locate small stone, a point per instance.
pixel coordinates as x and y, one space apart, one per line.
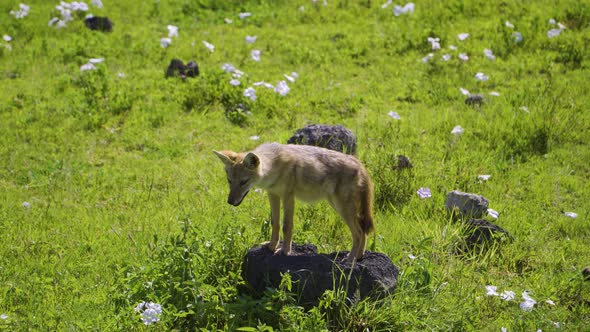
475 100
178 68
99 23
480 231
466 204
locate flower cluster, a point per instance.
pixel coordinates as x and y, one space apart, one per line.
90 65
150 312
66 9
23 10
527 304
7 39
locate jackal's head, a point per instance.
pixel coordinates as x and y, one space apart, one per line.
242 173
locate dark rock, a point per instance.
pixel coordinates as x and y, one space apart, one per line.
480 231
586 273
99 23
192 69
466 205
178 68
336 138
403 162
312 274
475 100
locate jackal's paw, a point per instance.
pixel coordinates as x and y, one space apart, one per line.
350 259
282 251
270 245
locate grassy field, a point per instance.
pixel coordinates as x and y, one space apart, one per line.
110 195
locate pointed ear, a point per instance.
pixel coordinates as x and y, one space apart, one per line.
225 156
251 161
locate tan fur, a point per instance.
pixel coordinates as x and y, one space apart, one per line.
307 173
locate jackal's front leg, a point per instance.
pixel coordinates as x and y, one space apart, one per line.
288 209
275 214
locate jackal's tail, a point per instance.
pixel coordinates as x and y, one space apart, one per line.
366 207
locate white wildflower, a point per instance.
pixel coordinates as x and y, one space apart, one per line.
96 60
53 21
250 93
503 329
209 46
489 54
289 78
237 74
552 21
87 66
484 177
509 25
151 314
492 290
172 31
465 92
267 85
254 137
4 316
572 215
528 303
26 205
457 130
424 193
494 93
549 302
282 88
165 42
394 115
453 47
481 77
462 36
97 3
524 108
385 5
228 68
227 21
446 57
507 295
463 57
244 15
255 55
493 213
251 39
428 57
434 43
7 38
139 306
553 33
517 37
120 75
234 82
406 9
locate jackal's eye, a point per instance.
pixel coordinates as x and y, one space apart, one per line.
243 182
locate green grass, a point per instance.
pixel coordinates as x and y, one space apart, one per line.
128 204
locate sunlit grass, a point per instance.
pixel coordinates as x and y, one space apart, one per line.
110 195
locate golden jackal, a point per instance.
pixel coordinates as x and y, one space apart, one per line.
308 173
